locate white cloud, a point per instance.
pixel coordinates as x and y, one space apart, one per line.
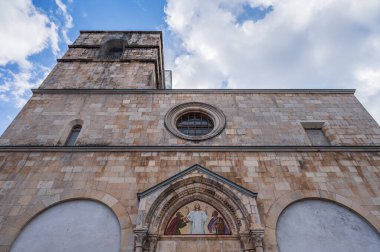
16 87
4 97
68 20
299 44
25 31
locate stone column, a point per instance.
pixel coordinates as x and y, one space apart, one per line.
140 235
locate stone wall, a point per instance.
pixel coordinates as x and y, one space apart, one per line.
107 75
138 119
132 53
148 38
32 181
83 65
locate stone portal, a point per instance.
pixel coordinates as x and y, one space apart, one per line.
198 210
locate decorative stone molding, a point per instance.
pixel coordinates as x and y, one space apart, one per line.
258 239
237 204
140 237
247 244
192 91
184 148
152 242
253 241
215 114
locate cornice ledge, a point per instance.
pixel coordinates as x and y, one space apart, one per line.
118 31
193 91
98 46
182 148
106 61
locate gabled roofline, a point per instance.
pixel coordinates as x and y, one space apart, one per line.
201 169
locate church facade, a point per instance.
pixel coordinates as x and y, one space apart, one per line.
103 157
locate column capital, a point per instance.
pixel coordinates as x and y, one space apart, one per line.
140 235
257 239
152 240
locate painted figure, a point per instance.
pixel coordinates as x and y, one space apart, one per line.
197 217
217 225
178 222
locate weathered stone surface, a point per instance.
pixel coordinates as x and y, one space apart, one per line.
133 37
22 187
84 66
101 75
129 54
137 119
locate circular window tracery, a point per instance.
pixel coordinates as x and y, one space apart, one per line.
195 124
195 121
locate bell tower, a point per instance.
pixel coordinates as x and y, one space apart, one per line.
110 60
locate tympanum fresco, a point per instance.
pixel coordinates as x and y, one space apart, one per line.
197 218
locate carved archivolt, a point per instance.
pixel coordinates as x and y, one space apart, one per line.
236 204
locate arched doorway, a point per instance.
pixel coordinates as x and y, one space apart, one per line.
198 210
317 225
77 225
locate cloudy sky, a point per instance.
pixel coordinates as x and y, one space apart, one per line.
208 44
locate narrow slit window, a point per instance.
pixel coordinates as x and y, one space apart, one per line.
73 136
315 133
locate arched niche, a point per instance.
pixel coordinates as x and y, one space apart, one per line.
160 203
319 225
112 49
77 225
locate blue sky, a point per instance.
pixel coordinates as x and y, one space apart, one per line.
86 15
207 44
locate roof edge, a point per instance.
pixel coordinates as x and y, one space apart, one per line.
116 31
196 91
